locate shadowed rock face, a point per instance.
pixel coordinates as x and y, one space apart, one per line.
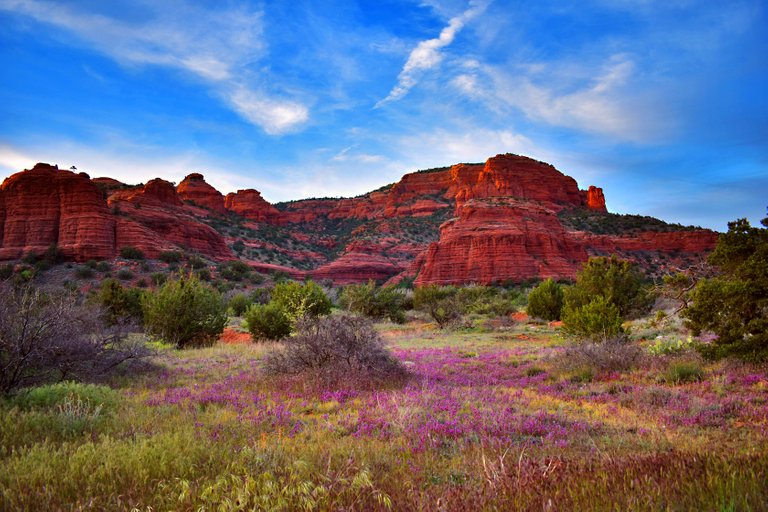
479 223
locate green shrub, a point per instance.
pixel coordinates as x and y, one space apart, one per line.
118 302
234 270
84 272
440 302
131 253
664 346
124 274
196 262
103 266
682 372
618 281
185 312
299 300
596 320
546 301
158 278
52 395
267 321
170 257
372 301
239 303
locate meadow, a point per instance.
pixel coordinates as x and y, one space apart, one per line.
490 418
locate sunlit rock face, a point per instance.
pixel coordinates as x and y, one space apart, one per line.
511 218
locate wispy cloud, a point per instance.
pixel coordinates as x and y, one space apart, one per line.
217 46
607 104
428 55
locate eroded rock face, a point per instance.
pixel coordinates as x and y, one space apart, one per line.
506 224
249 204
490 242
194 188
47 206
154 219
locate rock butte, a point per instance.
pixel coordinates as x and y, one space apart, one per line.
468 223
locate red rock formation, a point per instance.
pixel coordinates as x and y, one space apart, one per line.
251 205
514 239
46 206
491 242
596 199
157 220
194 188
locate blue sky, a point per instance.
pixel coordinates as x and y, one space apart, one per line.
664 104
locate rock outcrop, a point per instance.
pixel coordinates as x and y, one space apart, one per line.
510 218
46 206
249 204
194 188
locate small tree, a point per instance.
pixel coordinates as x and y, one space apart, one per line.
546 301
734 305
267 321
300 300
440 302
618 281
185 312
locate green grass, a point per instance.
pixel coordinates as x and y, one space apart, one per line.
487 422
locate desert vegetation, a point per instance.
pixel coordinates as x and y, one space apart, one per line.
437 398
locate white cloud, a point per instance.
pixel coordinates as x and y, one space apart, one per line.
609 104
274 116
217 46
471 144
345 155
427 54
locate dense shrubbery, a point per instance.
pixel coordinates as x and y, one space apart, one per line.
234 270
596 320
49 337
734 305
546 301
170 257
267 321
131 253
607 291
299 300
185 312
333 348
239 303
120 304
440 302
372 301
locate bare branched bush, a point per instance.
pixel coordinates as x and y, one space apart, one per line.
612 355
49 337
335 347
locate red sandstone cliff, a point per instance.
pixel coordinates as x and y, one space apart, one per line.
194 188
46 206
249 204
505 226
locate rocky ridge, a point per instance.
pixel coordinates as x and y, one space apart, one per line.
511 218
